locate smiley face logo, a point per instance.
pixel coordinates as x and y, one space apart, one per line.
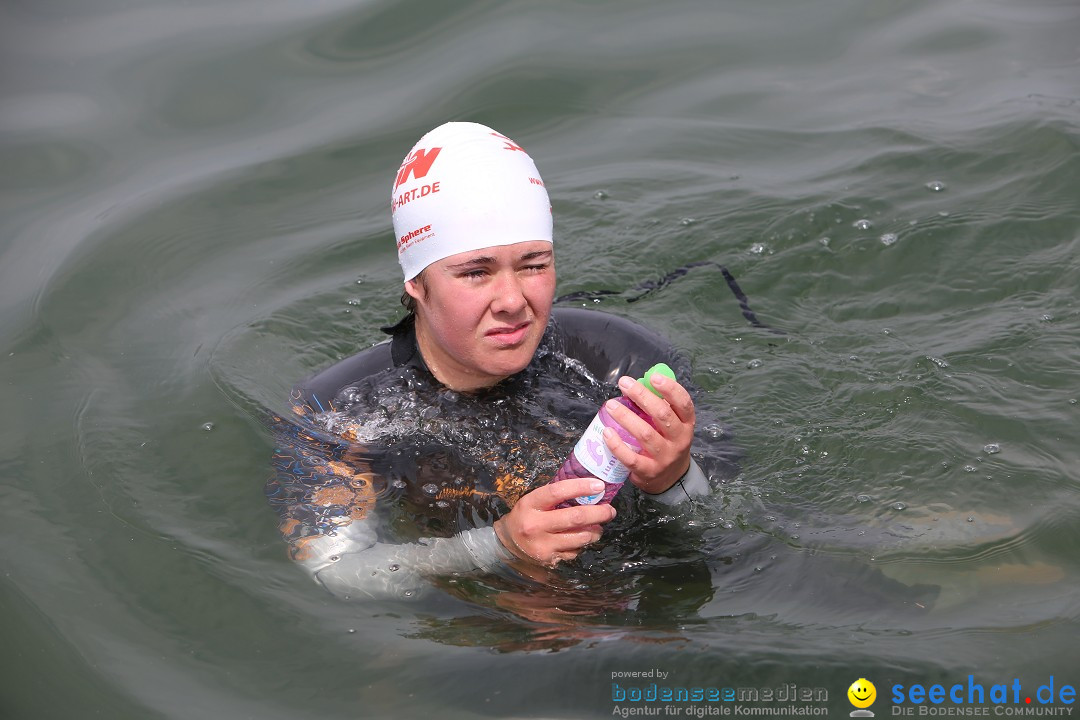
862 693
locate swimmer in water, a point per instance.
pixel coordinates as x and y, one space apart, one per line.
461 395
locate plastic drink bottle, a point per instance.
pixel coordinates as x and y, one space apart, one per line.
591 457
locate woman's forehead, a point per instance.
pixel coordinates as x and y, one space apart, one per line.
499 253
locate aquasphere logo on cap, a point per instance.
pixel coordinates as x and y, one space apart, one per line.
862 694
465 187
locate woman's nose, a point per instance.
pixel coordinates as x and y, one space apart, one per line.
509 297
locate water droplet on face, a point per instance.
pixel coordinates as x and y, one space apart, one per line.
888 239
992 448
755 363
862 224
935 186
208 426
430 489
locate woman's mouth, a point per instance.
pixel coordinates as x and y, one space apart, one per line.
509 334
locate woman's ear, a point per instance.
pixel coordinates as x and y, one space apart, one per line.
415 289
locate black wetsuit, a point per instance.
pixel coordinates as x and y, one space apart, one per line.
441 465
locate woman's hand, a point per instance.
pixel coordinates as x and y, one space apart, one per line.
538 533
665 449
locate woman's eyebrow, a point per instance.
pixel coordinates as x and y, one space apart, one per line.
473 262
536 254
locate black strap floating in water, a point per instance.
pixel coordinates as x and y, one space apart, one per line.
650 286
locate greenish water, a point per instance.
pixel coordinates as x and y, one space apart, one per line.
194 213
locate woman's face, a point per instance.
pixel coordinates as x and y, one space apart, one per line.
481 314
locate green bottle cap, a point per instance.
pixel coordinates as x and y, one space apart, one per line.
661 368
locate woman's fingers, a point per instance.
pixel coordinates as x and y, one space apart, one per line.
535 530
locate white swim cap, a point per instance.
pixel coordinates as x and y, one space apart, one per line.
463 187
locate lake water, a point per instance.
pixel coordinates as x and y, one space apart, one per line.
195 214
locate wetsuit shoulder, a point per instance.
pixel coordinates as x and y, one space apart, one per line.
318 390
611 346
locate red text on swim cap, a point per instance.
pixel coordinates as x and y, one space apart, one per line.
404 239
410 195
417 164
510 144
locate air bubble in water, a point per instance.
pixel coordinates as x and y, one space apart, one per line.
394 567
969 468
898 506
863 498
430 489
208 426
600 195
992 448
687 221
935 186
1047 317
824 241
398 484
755 363
759 248
715 431
862 224
937 361
888 239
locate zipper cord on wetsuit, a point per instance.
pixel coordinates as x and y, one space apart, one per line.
650 286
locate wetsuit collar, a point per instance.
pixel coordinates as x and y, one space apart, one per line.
403 348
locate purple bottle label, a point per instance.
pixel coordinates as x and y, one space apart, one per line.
593 454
